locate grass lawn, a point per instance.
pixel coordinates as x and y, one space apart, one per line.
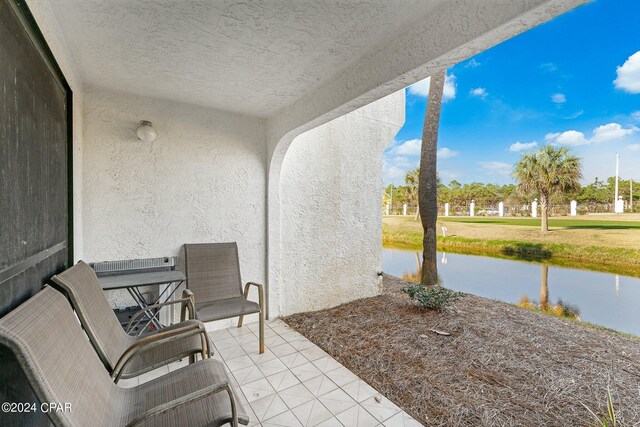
605 243
562 223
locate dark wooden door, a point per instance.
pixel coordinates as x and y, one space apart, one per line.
34 150
35 200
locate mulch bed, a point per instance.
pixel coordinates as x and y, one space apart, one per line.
502 365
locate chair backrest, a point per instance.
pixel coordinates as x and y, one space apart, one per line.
213 271
81 285
60 363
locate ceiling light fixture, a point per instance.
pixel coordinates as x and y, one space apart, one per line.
146 132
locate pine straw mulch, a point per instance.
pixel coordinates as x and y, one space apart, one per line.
502 365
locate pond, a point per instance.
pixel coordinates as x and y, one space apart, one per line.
605 299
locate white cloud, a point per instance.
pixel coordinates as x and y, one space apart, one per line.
450 88
628 73
522 146
633 147
447 153
558 98
407 148
548 67
403 162
448 175
392 174
574 115
472 63
496 168
636 116
479 91
569 137
611 131
601 134
421 88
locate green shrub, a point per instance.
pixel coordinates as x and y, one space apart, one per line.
432 297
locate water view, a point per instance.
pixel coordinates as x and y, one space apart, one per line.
604 299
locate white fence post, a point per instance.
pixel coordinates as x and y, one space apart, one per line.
472 208
404 209
446 209
501 209
574 208
388 208
534 208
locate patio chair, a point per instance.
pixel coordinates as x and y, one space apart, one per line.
213 274
123 355
62 367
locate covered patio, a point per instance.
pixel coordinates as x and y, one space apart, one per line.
271 119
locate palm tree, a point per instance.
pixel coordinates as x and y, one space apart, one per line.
411 181
428 188
548 171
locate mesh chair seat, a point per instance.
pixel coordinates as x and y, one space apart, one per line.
61 366
223 309
213 275
83 289
213 411
152 357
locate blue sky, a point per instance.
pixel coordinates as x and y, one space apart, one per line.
574 81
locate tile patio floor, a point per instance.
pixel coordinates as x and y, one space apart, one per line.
294 382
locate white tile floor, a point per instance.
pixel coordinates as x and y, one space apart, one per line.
294 382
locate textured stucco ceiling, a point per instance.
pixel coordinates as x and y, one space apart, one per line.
251 57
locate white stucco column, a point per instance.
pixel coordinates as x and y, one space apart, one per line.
574 208
472 208
534 208
501 209
404 209
446 209
324 174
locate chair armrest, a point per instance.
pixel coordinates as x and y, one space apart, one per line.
183 301
191 397
158 339
260 293
189 306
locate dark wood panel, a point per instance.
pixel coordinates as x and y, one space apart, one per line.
34 142
35 206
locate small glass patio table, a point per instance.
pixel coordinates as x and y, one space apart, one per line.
132 282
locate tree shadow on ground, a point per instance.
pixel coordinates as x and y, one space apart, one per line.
632 226
527 251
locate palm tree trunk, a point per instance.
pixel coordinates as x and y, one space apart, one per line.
427 188
544 287
417 213
544 207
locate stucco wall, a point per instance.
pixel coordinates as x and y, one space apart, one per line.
330 192
201 180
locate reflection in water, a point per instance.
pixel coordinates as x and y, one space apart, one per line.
416 275
605 299
559 309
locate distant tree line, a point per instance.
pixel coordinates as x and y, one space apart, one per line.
457 194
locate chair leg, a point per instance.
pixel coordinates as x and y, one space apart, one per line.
240 320
261 331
